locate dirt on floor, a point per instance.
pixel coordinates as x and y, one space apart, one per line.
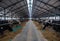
48 33
8 36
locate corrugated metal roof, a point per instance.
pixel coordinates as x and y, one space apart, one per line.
16 6
48 7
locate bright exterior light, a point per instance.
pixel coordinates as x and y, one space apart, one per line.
30 3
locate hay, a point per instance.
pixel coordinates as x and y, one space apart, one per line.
8 36
48 33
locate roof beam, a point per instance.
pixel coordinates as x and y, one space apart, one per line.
45 9
16 9
48 4
14 4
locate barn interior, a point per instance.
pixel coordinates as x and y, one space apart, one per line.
29 20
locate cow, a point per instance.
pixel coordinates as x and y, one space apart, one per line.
4 25
54 24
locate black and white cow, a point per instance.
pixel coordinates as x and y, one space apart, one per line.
4 26
54 24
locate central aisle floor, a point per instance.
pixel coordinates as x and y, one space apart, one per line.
30 33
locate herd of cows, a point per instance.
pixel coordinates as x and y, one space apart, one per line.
55 24
7 25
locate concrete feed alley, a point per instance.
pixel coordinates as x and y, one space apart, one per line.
30 33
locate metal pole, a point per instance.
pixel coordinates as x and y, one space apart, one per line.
4 15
